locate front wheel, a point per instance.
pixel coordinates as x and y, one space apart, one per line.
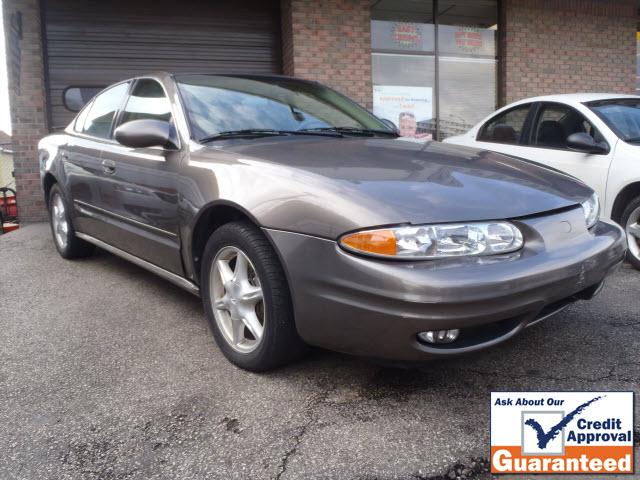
631 224
247 300
64 236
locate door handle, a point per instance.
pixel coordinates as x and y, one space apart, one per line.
109 166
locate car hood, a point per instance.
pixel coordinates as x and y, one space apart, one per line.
400 181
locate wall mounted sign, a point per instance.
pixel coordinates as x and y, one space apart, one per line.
402 36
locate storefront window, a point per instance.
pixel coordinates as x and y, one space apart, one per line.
434 89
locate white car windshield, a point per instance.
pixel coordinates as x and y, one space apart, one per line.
621 115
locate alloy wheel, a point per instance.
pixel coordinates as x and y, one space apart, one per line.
633 233
238 299
59 221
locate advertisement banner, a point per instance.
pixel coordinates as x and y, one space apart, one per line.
409 108
562 432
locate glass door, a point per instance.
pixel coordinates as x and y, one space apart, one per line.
433 64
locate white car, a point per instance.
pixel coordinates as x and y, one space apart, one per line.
592 136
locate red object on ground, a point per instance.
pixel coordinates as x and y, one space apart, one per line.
11 209
10 226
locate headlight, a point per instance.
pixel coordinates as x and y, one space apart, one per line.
436 241
591 209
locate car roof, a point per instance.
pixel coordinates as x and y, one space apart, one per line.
574 98
263 76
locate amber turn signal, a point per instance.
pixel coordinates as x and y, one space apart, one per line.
378 242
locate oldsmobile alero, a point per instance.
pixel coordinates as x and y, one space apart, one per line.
302 219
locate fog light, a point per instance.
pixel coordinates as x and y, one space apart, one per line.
439 336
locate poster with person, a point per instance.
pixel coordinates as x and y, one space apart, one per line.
409 108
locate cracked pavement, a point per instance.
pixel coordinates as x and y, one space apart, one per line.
108 372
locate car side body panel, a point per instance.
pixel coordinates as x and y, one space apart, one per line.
625 171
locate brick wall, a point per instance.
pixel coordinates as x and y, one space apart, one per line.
27 101
329 41
561 46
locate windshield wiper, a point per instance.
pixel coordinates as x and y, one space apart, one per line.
632 139
367 132
249 132
264 132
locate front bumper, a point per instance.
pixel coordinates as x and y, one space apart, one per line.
375 308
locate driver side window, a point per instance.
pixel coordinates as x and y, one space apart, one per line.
96 119
556 122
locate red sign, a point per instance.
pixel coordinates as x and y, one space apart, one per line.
469 39
406 34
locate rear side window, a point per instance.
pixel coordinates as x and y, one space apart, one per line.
99 118
78 125
147 101
506 127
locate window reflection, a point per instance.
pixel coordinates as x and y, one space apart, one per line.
220 104
99 118
147 102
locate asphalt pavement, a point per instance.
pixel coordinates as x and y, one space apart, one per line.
108 372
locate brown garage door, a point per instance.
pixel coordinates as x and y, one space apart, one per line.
99 42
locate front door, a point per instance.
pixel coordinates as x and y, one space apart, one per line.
547 144
139 188
539 132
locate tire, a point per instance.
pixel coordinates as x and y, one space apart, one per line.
631 216
64 236
243 342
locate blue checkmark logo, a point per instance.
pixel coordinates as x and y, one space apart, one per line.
545 437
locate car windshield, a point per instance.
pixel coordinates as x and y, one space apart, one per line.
621 115
252 105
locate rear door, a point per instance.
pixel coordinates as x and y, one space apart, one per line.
91 132
506 132
139 188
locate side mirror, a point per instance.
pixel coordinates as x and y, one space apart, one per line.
74 98
583 142
389 124
145 133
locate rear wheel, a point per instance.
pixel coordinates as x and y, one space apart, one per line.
246 298
631 223
64 236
